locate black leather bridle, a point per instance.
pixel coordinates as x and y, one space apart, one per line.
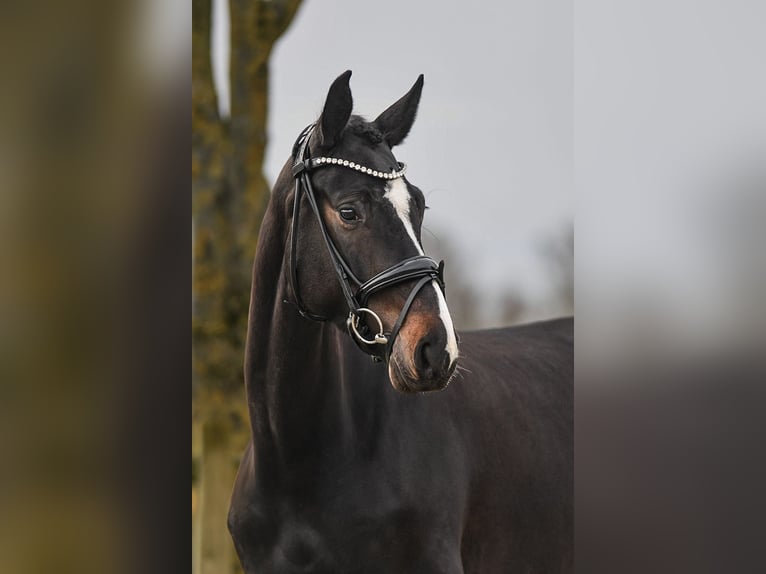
356 292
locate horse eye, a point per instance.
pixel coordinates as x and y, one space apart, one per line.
348 214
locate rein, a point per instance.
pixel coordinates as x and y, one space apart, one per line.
357 293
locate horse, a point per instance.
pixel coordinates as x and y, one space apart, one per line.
358 465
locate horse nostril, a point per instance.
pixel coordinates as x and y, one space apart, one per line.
430 358
422 362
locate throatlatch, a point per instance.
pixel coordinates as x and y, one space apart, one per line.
357 293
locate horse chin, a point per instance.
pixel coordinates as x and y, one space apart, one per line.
403 382
395 376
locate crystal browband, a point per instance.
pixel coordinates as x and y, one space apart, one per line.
321 161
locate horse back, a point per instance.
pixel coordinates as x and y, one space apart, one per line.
516 397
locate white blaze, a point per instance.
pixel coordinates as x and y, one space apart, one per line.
399 196
447 320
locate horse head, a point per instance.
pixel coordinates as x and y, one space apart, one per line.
358 260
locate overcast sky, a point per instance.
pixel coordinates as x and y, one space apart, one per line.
492 145
659 105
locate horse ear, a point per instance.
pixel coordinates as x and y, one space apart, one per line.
337 110
396 121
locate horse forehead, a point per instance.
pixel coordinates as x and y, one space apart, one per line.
398 193
374 155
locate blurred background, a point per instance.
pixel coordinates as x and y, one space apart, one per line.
94 271
491 150
670 151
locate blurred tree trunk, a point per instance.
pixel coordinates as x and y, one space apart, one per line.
217 470
229 194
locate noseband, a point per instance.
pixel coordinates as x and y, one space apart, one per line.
378 345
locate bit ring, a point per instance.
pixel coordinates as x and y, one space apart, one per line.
353 322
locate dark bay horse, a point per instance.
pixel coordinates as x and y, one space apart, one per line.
353 467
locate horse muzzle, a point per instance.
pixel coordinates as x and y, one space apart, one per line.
420 360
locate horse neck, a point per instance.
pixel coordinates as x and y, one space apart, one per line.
308 392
